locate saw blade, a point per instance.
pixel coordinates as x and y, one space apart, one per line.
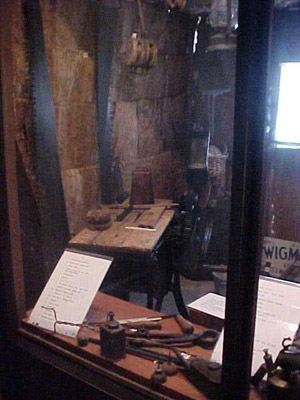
54 224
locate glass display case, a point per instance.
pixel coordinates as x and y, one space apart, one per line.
95 91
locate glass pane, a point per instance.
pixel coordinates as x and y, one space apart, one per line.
136 125
288 122
130 119
124 127
279 289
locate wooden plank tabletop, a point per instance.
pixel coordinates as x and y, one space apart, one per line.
132 367
125 237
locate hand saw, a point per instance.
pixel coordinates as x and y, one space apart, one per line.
54 224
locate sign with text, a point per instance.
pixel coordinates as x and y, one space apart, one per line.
278 255
70 291
277 317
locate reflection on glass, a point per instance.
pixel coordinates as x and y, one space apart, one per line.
278 310
288 116
148 121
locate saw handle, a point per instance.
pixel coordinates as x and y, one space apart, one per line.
185 325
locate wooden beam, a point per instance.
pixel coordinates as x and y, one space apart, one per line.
11 251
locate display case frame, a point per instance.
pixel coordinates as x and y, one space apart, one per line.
246 213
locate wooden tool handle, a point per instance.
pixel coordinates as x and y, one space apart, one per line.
186 326
83 337
144 325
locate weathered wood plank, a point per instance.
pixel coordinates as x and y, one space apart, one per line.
82 194
150 218
119 240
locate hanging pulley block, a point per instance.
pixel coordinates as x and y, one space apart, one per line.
141 53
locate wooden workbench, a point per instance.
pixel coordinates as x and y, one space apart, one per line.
119 240
133 249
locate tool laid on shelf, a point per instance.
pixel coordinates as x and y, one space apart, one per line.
124 213
159 376
283 380
198 370
185 325
142 328
125 321
206 339
113 339
147 325
143 337
136 323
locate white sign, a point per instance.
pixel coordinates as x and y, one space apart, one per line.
212 304
280 254
70 291
277 317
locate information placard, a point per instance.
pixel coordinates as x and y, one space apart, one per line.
277 316
70 291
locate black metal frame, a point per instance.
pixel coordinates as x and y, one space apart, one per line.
247 195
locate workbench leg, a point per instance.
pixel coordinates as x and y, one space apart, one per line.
150 283
165 287
159 303
150 295
176 290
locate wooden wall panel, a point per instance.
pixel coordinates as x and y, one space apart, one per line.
174 124
156 125
69 37
28 187
125 133
83 194
150 111
69 24
76 126
149 115
73 73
